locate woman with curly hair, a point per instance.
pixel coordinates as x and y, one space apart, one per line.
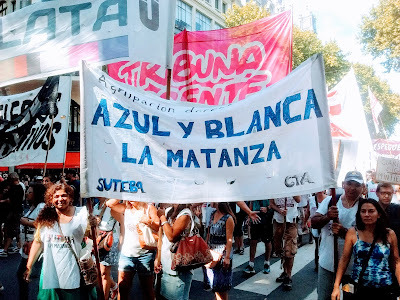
60 230
376 254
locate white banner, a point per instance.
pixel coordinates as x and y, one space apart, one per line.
51 37
136 146
25 124
349 125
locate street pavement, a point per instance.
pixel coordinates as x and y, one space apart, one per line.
259 286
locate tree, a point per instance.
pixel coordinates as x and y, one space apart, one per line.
380 33
307 43
390 102
250 12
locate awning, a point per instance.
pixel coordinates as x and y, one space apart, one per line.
72 160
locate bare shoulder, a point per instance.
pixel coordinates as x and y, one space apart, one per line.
351 233
391 234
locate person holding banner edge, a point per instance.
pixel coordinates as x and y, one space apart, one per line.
133 258
345 211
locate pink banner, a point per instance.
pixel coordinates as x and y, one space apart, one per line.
387 148
219 66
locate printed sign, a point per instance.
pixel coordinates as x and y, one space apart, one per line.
51 37
387 148
25 124
218 66
277 143
388 170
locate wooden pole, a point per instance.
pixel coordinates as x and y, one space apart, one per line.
337 155
335 237
169 76
48 145
96 252
384 132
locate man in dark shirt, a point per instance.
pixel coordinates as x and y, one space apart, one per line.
385 192
72 180
14 196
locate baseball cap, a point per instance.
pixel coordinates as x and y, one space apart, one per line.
354 176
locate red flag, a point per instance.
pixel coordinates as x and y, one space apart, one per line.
219 66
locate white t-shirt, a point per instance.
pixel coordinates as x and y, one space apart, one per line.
30 231
347 217
131 246
291 207
371 186
166 254
60 269
304 200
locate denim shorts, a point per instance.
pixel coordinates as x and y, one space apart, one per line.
176 287
143 265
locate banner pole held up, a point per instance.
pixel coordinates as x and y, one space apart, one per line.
335 237
169 75
48 145
96 251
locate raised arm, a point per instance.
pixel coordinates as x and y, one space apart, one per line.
173 232
116 206
153 220
252 214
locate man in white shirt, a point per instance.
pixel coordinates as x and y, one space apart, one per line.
345 211
285 237
371 187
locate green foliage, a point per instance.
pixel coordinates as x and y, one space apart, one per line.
306 44
390 102
250 12
380 33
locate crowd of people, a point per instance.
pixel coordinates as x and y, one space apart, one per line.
45 222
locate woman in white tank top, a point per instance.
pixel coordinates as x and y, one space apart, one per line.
133 258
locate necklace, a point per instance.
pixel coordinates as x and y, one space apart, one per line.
348 203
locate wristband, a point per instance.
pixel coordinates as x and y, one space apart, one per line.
163 223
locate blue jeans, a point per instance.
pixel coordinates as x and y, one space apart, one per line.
176 287
143 265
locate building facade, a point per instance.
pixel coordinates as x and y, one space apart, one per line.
303 16
194 15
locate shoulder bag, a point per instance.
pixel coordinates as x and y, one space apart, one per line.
148 239
87 266
191 252
105 239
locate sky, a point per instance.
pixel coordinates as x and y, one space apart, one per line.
340 20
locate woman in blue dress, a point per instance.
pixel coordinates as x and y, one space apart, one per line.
219 239
374 281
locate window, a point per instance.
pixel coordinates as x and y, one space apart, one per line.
202 22
183 16
217 6
217 26
224 7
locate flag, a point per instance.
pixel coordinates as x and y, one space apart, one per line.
376 108
218 67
